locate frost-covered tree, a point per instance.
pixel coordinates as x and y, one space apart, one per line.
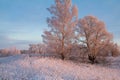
14 50
93 34
61 34
37 48
10 51
114 49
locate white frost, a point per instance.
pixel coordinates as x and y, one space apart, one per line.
22 67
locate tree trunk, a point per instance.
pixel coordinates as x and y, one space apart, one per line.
62 56
92 58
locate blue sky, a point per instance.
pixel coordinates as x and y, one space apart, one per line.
23 21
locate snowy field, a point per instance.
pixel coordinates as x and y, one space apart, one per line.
23 67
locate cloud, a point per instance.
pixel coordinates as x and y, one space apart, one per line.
6 41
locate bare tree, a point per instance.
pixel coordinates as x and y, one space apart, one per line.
93 34
62 23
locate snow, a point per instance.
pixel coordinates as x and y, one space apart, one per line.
12 58
114 62
23 67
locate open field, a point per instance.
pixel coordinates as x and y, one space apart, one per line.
23 67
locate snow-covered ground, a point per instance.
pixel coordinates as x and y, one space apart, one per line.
23 67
